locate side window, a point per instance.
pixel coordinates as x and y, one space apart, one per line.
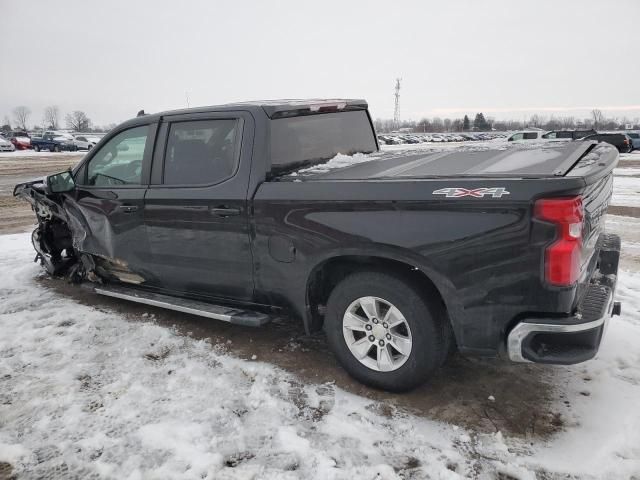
550 135
516 136
530 135
201 152
119 161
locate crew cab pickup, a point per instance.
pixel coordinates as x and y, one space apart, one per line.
53 143
250 211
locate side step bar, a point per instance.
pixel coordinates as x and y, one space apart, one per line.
236 316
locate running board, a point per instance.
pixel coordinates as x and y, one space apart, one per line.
236 316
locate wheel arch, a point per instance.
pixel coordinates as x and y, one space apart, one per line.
324 276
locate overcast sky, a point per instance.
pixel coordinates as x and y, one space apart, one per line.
505 58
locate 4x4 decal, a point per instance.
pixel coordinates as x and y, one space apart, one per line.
457 192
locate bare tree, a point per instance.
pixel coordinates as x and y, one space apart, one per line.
598 118
21 115
77 121
6 124
553 124
535 120
51 117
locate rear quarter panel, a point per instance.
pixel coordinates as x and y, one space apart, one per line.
482 254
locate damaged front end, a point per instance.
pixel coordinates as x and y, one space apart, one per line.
52 239
65 239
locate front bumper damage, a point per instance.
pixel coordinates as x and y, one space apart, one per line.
573 339
61 240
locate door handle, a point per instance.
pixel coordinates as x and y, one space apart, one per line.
128 208
223 211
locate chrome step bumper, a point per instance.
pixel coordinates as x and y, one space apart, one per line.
574 339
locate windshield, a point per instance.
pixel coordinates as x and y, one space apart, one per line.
309 139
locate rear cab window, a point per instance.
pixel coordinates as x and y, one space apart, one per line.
201 152
310 139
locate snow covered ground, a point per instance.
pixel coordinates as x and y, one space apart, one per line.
32 153
87 393
626 190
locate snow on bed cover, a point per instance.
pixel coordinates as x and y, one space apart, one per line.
339 161
391 151
84 393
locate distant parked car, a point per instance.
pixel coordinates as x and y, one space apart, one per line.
6 145
49 141
410 139
619 140
20 140
84 142
526 135
635 140
568 134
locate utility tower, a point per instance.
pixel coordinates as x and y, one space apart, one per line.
396 111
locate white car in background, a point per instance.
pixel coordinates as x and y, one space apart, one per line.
84 142
526 135
6 145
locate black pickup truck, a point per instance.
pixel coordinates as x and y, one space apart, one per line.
250 211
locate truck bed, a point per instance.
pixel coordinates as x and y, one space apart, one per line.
542 160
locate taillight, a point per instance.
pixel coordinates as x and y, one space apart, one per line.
562 257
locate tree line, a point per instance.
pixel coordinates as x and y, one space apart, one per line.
597 120
52 119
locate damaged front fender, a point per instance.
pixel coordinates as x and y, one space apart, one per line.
74 239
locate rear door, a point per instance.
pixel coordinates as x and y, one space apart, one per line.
196 213
107 204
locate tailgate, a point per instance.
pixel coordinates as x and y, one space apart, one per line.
596 167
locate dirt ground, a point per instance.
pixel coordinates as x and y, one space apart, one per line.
523 397
16 215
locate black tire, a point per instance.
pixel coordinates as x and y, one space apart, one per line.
430 336
56 148
36 148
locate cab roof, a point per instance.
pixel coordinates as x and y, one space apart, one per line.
273 108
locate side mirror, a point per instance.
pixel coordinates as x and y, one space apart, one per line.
60 182
123 147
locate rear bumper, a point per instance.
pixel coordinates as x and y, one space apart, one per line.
574 339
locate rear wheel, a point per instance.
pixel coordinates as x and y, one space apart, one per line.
384 332
36 148
56 148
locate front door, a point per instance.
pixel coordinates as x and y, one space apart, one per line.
107 207
196 212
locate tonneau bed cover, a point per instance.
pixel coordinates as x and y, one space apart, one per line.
551 159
